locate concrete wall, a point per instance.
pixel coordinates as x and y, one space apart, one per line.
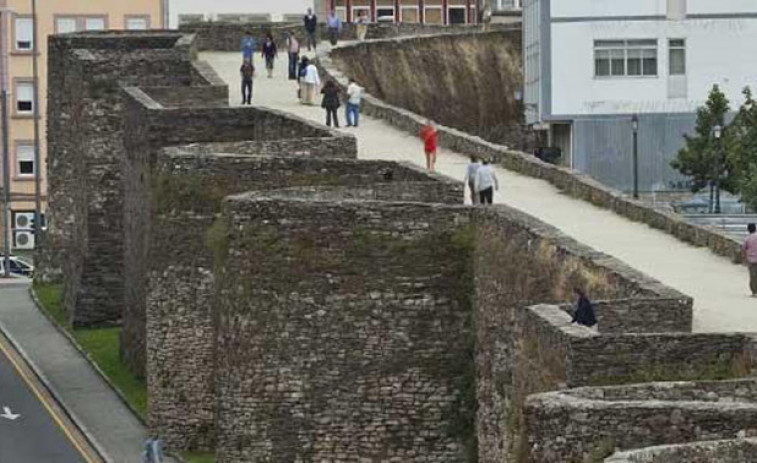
467 81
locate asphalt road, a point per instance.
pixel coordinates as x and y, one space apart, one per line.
40 433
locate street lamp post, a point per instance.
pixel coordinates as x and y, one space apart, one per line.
635 127
717 132
37 166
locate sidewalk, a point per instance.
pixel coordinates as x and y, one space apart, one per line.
83 393
719 287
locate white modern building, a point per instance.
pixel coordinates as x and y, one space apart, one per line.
179 11
590 65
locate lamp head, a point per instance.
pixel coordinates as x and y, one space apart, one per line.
717 131
635 122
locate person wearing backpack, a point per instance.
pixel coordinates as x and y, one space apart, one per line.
247 72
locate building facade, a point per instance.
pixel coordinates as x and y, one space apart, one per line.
182 11
437 12
590 66
16 77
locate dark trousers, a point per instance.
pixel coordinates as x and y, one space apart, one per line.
247 91
486 196
333 35
753 278
293 58
331 112
311 40
352 114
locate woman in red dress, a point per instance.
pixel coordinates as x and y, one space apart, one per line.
429 136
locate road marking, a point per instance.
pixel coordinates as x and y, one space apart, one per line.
7 414
44 401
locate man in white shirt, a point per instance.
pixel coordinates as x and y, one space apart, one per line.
352 109
470 178
486 183
310 83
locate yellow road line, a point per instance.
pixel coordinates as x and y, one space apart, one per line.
43 399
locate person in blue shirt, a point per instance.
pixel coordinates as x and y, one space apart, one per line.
334 25
248 46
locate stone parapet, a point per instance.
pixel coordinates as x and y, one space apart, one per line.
723 451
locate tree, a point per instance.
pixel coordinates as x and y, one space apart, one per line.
705 159
745 152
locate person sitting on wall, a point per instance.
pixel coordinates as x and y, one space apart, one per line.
584 314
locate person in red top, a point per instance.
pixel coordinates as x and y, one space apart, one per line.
429 135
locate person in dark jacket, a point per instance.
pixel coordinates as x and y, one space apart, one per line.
270 53
584 314
330 102
311 21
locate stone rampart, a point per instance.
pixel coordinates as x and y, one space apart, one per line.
149 128
585 423
723 451
467 81
570 182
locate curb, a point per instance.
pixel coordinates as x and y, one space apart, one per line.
87 357
91 440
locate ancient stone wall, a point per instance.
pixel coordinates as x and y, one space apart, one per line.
723 451
149 128
346 331
466 81
85 148
519 259
576 424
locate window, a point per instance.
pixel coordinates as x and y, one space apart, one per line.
24 97
24 160
94 24
385 12
677 52
136 24
24 29
65 25
617 58
456 15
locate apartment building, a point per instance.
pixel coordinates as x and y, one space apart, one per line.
16 77
181 11
438 12
591 65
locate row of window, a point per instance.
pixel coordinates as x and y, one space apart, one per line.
620 58
24 27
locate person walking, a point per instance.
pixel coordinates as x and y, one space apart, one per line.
352 108
584 314
310 83
293 49
749 253
269 52
486 183
248 46
153 452
334 25
247 72
311 22
470 178
330 102
362 26
429 136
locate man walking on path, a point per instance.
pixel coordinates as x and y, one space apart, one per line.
247 46
293 48
352 109
749 252
428 136
310 83
362 26
470 178
248 72
311 22
334 25
486 183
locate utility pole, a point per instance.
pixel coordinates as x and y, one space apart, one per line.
635 127
37 163
6 186
717 132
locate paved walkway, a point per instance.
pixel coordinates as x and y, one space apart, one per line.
719 288
81 390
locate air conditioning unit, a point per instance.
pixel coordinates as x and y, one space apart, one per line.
23 220
23 239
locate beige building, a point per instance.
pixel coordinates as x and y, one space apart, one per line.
16 76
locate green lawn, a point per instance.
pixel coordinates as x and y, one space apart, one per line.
102 346
195 457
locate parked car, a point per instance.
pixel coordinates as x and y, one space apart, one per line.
18 267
